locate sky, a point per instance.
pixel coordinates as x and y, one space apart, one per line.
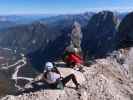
62 6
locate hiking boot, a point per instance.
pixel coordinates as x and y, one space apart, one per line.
79 69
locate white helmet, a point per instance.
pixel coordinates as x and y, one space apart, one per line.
49 65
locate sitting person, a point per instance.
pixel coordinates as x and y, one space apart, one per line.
73 59
53 79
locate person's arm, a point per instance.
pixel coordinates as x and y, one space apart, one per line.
58 72
44 79
41 77
38 78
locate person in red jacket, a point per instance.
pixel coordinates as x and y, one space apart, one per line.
74 60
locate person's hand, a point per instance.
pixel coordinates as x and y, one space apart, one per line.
61 77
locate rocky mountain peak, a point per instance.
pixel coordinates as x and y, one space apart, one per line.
76 35
100 33
126 30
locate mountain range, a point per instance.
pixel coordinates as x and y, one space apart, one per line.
46 38
38 39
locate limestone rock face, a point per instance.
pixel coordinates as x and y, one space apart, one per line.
106 79
76 35
126 30
75 38
100 34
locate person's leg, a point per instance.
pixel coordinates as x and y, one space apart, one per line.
68 78
45 85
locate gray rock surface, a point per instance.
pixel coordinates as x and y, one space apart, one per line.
76 35
106 79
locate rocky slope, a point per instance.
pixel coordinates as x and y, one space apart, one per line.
109 78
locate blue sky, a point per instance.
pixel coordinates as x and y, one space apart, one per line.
62 6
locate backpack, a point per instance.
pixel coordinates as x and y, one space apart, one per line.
74 58
60 85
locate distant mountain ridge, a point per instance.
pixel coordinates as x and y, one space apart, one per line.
7 21
53 25
46 39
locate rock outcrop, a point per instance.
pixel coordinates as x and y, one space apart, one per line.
76 36
126 31
100 34
106 79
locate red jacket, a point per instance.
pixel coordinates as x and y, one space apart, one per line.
72 57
